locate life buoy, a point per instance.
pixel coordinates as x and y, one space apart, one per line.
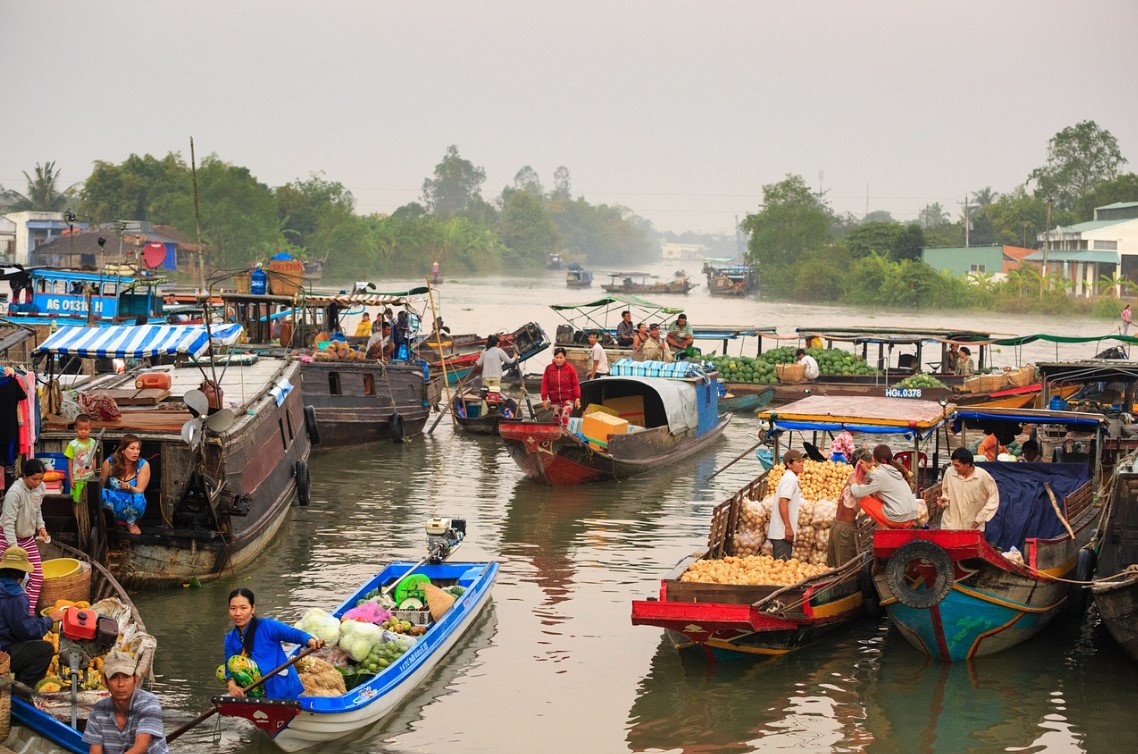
395 427
311 426
303 490
931 563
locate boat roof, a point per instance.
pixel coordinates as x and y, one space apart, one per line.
625 301
1090 370
92 277
1031 416
1023 339
678 396
12 334
137 341
893 334
631 275
860 414
730 332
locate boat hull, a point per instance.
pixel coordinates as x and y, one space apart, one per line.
355 401
747 401
324 719
1117 602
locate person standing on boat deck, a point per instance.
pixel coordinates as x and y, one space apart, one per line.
363 329
680 337
965 366
125 476
130 718
788 497
560 388
260 640
22 521
885 495
843 532
600 362
21 628
952 360
80 454
969 494
654 348
812 370
625 332
491 363
991 446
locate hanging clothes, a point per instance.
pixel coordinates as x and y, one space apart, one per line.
12 402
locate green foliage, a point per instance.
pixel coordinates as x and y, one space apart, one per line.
42 194
455 185
312 209
527 229
792 221
818 276
880 237
1079 158
604 235
1123 188
141 188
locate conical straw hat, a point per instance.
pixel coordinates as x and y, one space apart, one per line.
438 601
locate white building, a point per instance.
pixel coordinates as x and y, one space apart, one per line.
1086 252
680 252
25 231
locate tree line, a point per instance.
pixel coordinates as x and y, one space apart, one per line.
804 250
243 220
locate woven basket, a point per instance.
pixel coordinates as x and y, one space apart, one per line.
1023 376
74 587
972 385
243 283
990 382
790 372
286 276
5 698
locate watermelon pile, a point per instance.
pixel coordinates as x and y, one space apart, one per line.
761 370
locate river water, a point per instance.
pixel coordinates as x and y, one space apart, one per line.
554 664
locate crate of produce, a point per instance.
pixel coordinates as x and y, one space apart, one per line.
790 372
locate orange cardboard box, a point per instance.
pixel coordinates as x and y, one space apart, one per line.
599 426
630 408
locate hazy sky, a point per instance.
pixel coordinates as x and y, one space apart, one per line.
681 111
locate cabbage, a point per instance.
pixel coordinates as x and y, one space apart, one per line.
321 625
358 638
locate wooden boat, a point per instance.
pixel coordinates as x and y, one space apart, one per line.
312 721
956 594
220 486
461 351
679 414
41 722
70 297
1114 558
736 280
731 621
748 401
479 415
578 277
645 284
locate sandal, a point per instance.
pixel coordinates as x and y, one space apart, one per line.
133 529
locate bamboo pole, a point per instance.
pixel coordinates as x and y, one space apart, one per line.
439 345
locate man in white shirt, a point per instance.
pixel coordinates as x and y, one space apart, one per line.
812 370
600 361
788 497
969 494
490 365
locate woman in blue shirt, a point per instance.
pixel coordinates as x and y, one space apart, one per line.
260 640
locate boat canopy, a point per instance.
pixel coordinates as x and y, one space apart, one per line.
1072 419
870 415
730 332
137 341
1098 370
628 301
1024 339
671 402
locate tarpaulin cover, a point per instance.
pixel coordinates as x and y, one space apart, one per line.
1025 507
137 341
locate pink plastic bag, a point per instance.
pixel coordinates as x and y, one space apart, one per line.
369 612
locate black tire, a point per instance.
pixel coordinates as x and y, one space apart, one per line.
303 489
395 427
933 556
1079 596
311 426
869 591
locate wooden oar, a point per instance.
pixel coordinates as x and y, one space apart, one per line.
737 459
212 711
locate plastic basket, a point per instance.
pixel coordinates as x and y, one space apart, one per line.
790 372
74 586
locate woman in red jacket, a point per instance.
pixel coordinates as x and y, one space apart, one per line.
560 386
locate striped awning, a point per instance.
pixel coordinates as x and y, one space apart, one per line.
137 341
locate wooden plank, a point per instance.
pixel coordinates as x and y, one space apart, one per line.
134 397
850 409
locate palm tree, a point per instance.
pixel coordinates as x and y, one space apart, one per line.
1111 283
933 215
42 194
984 196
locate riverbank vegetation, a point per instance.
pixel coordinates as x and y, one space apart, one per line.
244 220
805 251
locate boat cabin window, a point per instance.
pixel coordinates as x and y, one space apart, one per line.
334 383
369 384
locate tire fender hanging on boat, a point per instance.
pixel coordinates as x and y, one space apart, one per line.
303 489
1079 596
311 426
395 427
933 559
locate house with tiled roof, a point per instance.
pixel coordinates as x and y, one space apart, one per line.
139 244
1085 253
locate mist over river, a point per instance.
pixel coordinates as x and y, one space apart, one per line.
554 664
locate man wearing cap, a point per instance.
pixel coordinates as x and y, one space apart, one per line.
654 348
784 518
130 719
21 634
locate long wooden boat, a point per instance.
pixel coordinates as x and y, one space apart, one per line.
673 416
578 277
645 284
955 594
461 351
730 621
312 721
221 486
42 721
478 416
734 281
748 401
1115 588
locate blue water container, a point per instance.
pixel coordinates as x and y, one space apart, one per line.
1057 403
258 282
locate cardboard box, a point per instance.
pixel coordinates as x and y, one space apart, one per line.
594 408
598 427
630 408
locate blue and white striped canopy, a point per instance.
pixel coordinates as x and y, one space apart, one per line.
137 341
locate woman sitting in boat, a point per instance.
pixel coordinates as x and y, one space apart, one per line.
638 340
125 476
363 329
259 640
886 496
843 532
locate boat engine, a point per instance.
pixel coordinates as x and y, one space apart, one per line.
443 536
83 636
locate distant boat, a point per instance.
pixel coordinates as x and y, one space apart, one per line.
735 280
578 277
554 262
641 283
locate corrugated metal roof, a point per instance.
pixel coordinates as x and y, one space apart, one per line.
1118 205
1091 225
1074 255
